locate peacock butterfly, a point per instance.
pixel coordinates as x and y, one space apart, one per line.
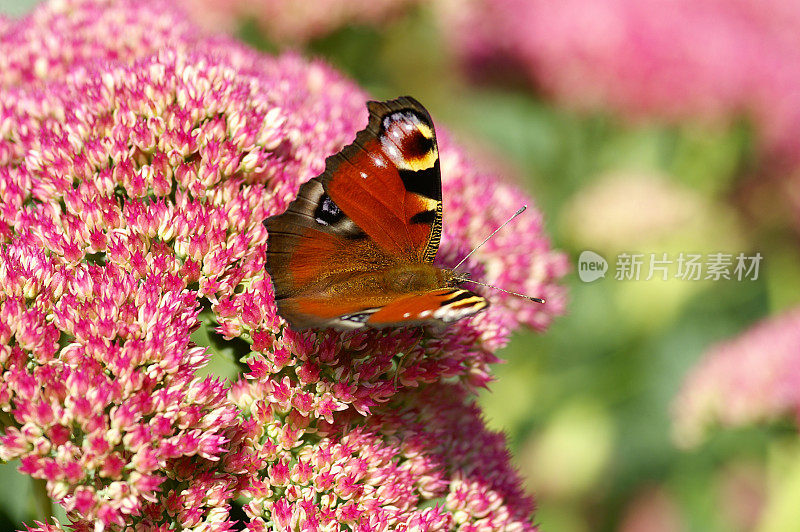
356 247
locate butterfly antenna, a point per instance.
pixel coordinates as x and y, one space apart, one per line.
490 236
530 298
466 277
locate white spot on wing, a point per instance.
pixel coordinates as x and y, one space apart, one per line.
378 161
392 150
364 175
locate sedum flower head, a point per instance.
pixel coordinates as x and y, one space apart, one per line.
748 379
99 378
55 39
133 186
642 56
286 21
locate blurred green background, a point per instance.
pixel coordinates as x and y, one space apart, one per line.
586 404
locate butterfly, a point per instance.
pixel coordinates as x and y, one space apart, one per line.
356 247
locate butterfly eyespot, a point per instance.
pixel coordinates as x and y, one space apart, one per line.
411 146
327 213
409 142
360 317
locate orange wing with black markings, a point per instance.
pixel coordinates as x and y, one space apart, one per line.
388 180
443 305
356 247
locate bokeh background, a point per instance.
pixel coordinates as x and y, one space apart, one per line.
639 126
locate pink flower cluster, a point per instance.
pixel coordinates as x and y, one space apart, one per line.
286 21
375 472
29 56
670 58
749 379
135 173
99 375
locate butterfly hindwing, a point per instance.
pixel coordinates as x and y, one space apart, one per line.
313 242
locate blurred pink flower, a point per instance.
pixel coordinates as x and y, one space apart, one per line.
287 21
742 488
652 510
134 179
669 58
752 378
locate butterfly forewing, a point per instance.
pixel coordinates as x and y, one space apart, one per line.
388 181
443 305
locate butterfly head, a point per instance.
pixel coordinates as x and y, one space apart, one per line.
453 278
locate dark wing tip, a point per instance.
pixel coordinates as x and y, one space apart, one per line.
382 108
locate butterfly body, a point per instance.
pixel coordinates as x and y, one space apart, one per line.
356 247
